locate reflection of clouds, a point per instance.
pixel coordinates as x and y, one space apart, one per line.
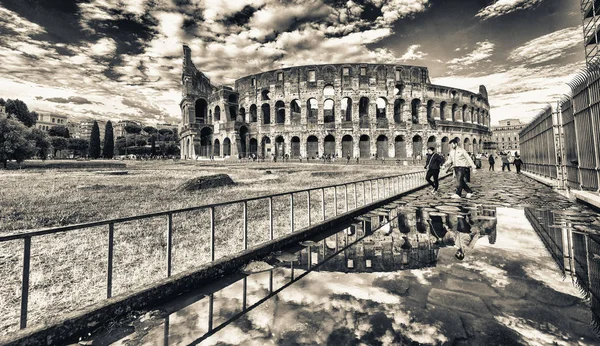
533 335
499 276
422 274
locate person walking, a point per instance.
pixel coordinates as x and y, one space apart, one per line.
433 162
460 160
492 161
505 161
518 162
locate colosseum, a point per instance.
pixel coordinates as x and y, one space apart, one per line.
361 110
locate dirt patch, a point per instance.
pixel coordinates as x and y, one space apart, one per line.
206 182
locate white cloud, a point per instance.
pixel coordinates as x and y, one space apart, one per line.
502 7
548 47
104 47
396 9
482 52
413 53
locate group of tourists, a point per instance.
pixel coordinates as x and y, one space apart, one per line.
462 163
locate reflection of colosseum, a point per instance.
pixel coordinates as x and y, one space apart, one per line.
361 110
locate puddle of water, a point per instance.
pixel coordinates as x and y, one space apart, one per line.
424 274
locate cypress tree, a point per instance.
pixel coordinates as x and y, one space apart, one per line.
95 141
109 141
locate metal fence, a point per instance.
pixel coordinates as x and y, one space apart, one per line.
538 145
253 221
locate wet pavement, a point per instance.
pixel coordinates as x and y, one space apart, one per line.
530 275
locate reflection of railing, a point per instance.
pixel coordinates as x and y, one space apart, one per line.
298 205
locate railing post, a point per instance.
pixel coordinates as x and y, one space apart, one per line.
25 282
212 234
109 269
355 196
335 201
371 189
245 212
364 193
169 243
323 204
271 231
308 204
346 196
291 213
210 311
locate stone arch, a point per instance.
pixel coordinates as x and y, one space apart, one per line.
280 112
454 109
253 113
217 148
417 146
467 144
470 117
226 147
329 145
347 146
364 146
264 95
243 133
398 89
346 108
363 107
210 117
475 147
312 110
464 113
328 90
201 109
430 117
217 113
381 106
295 147
329 111
206 135
266 146
431 142
398 110
243 115
312 146
400 147
382 146
279 146
232 114
295 112
266 113
253 149
415 105
445 146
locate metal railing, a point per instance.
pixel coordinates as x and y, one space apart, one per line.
343 197
538 145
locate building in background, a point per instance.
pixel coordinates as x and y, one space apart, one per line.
85 129
119 127
506 135
46 121
590 13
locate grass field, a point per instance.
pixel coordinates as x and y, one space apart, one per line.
68 271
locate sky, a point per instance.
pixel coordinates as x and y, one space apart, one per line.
122 59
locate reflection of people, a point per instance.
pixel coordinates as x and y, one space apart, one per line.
466 236
462 163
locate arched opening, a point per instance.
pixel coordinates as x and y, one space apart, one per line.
217 148
329 111
279 146
265 95
328 90
329 145
417 146
295 112
312 107
295 146
467 145
217 113
253 149
464 113
430 118
232 113
226 147
398 89
242 117
253 114
266 147
280 115
400 147
312 147
475 146
364 146
363 108
266 113
346 109
381 104
243 141
454 109
347 146
415 105
445 146
232 98
477 116
201 109
470 115
398 110
205 142
431 142
382 147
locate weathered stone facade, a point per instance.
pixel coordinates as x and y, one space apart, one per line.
361 110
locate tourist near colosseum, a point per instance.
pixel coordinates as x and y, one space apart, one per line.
357 110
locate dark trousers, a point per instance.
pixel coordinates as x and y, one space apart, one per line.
491 167
460 174
518 168
507 165
435 174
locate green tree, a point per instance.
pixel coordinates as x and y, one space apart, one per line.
59 144
14 144
108 150
94 149
133 128
2 102
153 145
59 131
42 143
18 109
78 145
149 130
140 141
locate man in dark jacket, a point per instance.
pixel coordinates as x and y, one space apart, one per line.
433 162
